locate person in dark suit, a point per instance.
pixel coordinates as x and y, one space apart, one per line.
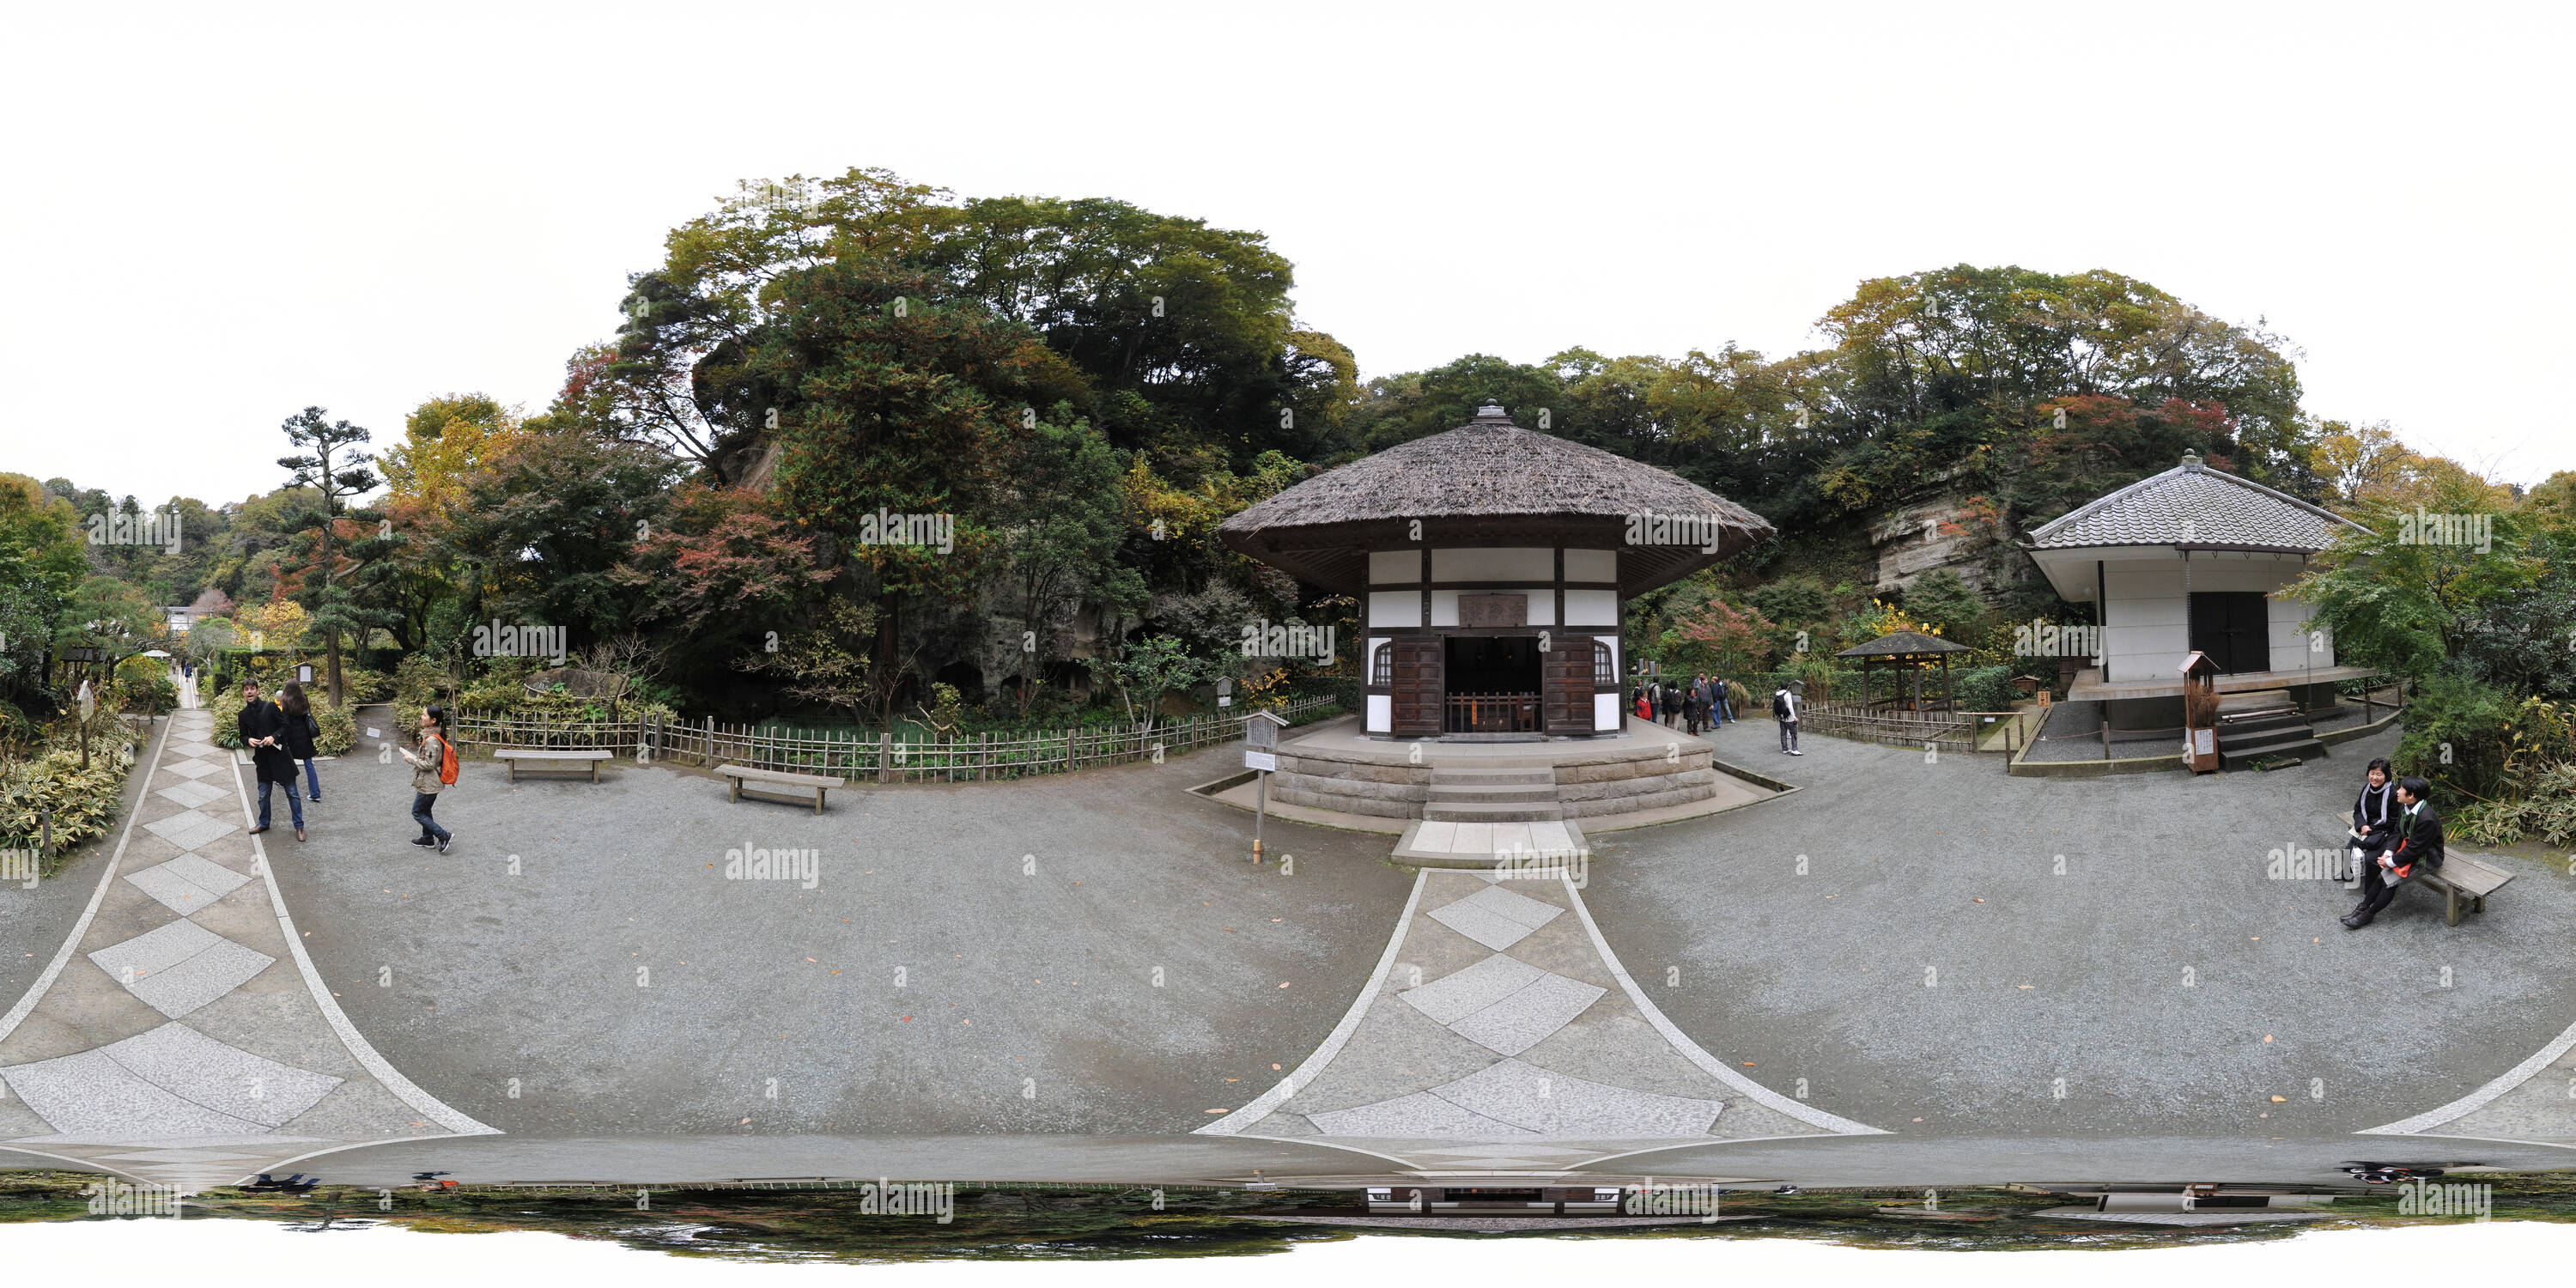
263 732
2418 829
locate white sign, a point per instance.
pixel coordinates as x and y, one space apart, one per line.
1267 761
2201 740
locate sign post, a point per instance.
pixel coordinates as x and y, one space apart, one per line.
1261 756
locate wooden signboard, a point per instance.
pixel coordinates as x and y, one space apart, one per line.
1493 610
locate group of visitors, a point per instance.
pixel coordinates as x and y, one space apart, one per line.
1701 704
281 734
2394 828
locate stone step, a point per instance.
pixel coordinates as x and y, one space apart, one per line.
2304 747
1442 775
2269 720
1447 793
1492 811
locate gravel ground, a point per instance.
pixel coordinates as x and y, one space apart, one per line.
970 959
1932 972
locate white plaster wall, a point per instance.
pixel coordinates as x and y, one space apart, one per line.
1396 608
1498 564
2149 626
1591 607
1381 713
1395 567
1592 565
1605 712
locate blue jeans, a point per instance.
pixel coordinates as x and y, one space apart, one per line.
1723 709
294 803
313 780
421 804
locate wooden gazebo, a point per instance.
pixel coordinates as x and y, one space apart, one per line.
1908 654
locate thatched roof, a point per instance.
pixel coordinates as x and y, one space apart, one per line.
1903 644
1487 482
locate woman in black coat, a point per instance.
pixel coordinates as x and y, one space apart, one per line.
263 732
301 730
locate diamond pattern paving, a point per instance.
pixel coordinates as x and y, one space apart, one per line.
1496 917
189 794
188 883
180 967
189 829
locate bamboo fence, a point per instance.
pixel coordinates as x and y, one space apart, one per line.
882 757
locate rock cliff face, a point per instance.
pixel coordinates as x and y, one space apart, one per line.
1943 527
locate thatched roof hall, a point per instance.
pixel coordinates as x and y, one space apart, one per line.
1492 482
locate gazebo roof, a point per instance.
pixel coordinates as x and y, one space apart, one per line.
1904 644
2194 505
1485 482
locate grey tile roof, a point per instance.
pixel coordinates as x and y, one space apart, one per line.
2220 509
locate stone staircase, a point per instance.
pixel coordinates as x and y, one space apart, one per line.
2281 731
1498 792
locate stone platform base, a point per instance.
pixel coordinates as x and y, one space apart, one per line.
1337 767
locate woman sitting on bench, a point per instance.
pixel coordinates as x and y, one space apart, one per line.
2374 816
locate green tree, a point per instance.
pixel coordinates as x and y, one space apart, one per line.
2408 601
1064 485
331 462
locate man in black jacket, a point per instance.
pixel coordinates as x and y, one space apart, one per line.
2419 841
263 732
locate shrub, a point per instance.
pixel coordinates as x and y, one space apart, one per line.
359 684
339 729
1985 688
2458 736
151 694
84 805
225 705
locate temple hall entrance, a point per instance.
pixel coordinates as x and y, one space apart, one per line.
1492 684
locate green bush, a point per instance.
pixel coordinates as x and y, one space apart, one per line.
1985 688
225 705
84 805
361 685
2458 734
152 695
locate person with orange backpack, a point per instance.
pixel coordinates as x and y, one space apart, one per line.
433 768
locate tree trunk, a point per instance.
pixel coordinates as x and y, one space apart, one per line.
886 665
331 653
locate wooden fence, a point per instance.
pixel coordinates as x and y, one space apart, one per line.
884 757
1969 731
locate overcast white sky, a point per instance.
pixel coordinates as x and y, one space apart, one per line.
222 214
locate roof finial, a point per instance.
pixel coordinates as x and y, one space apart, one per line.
2191 461
1490 411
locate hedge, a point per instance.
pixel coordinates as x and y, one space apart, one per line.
84 805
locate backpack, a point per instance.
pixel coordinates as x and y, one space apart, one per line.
1780 706
447 761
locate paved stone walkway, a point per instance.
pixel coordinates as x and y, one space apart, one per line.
181 1035
1500 1034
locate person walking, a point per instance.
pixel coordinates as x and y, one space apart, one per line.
263 732
1720 701
2418 829
1784 708
301 730
2374 815
1672 702
429 775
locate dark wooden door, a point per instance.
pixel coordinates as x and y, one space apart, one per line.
2234 628
1565 681
1416 685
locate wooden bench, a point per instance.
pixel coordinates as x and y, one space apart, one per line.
567 760
821 783
2462 877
